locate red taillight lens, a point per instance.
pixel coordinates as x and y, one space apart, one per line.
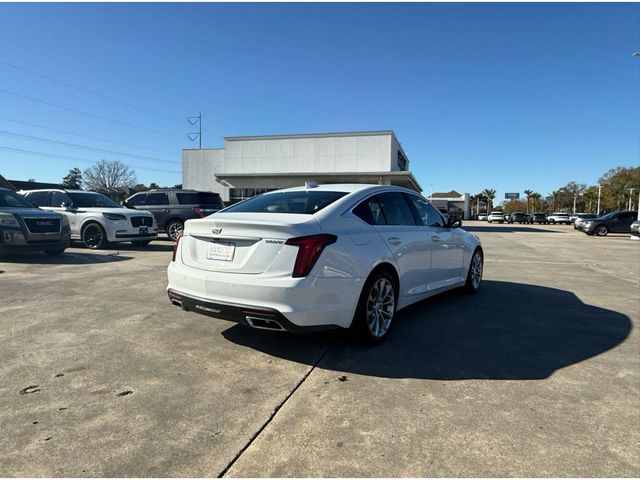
198 211
175 248
309 249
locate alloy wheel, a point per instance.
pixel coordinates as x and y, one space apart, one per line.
476 270
380 307
174 230
93 236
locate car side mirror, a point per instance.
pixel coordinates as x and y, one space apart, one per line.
454 223
67 206
125 204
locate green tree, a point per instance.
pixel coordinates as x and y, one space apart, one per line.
489 194
528 194
535 197
616 184
514 205
73 179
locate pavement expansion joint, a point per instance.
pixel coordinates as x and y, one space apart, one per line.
273 413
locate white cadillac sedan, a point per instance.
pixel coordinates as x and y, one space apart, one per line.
317 257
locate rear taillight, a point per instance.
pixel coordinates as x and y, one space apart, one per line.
199 212
309 249
175 248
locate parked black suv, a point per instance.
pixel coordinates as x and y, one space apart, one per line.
537 217
173 207
24 227
518 217
614 222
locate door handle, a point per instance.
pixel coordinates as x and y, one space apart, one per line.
165 210
435 238
394 240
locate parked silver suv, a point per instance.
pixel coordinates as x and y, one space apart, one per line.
95 219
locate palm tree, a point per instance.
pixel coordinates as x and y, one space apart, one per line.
554 196
489 194
535 196
528 194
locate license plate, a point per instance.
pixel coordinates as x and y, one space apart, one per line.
221 251
143 230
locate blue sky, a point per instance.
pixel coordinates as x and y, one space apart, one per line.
504 96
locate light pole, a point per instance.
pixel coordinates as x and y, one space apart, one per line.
575 197
599 192
630 197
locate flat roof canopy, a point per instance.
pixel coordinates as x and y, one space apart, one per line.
405 179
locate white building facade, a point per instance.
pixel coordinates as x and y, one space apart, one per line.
248 166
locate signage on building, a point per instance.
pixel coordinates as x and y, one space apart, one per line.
511 196
402 161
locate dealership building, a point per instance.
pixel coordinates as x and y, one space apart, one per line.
248 166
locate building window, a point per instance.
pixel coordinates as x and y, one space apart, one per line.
403 163
238 194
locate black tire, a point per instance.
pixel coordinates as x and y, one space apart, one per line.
94 236
140 243
472 285
174 228
601 230
369 305
57 251
553 222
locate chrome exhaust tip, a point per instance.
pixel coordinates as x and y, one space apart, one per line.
264 323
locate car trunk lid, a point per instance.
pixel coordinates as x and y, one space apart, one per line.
244 243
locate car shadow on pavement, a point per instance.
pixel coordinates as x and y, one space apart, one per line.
508 331
67 258
507 229
152 247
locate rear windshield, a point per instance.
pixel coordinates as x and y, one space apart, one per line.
304 202
10 199
199 198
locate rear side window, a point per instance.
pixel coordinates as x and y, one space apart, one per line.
369 211
58 198
199 198
157 199
395 209
137 200
39 198
304 202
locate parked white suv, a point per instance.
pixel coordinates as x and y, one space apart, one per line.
496 217
559 217
95 218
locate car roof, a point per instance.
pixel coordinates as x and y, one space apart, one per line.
346 187
66 190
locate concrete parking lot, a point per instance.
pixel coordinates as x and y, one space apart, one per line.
536 375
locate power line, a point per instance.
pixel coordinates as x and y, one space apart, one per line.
91 92
106 119
85 147
85 136
77 159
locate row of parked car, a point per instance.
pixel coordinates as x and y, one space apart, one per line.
615 222
48 220
520 217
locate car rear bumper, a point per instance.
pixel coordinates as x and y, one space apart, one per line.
248 315
309 303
